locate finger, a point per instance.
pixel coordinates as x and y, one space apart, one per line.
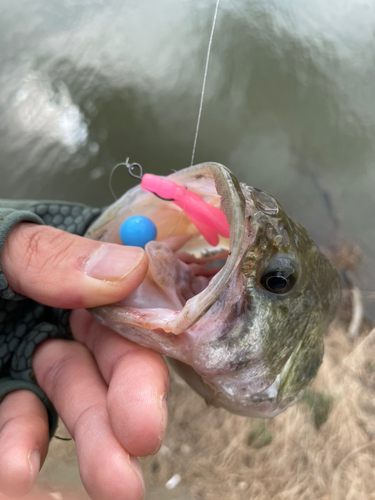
68 374
64 270
138 380
23 441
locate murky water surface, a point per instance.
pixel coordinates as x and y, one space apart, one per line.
290 103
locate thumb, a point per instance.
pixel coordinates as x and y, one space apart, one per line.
59 269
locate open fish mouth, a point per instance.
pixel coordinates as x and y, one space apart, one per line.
186 274
241 317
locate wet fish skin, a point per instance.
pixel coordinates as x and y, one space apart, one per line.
237 343
291 325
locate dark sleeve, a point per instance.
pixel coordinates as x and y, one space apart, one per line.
24 324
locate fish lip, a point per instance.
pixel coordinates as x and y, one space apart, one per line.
233 204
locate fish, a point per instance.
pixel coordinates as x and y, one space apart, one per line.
241 321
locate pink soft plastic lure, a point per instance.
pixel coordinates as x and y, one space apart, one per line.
210 221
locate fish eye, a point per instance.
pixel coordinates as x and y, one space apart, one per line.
280 276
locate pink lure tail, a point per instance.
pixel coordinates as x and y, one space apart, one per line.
210 221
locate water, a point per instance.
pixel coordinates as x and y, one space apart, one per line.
289 105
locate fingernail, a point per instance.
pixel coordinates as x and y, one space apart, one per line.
113 262
34 461
138 470
164 412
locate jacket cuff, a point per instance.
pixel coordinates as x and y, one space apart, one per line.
8 219
8 385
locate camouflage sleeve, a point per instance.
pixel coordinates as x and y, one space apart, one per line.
24 324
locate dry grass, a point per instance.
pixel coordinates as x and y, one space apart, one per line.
322 448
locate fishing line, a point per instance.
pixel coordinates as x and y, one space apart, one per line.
132 166
200 106
61 438
204 82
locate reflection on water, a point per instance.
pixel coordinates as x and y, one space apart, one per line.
41 111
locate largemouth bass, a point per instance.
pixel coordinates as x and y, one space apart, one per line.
243 321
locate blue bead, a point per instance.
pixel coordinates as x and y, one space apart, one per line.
137 231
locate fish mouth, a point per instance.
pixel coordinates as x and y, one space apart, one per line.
178 241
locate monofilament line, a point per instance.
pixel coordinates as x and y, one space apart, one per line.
204 81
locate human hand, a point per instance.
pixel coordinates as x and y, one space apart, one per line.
110 392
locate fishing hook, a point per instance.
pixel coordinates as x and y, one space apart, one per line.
130 167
